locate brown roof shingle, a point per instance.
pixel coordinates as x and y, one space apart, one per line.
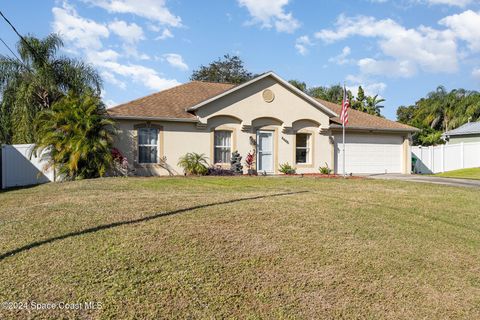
172 104
359 119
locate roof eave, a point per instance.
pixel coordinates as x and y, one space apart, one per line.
267 74
121 117
339 127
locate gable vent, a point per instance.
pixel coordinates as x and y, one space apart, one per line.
268 95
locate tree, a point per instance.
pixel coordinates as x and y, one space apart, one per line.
302 86
440 111
333 93
76 135
35 82
229 70
372 105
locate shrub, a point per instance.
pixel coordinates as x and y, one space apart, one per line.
286 168
77 136
219 171
194 163
120 162
325 169
236 163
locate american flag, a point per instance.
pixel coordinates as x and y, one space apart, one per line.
345 105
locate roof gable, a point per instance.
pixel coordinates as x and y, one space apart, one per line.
271 74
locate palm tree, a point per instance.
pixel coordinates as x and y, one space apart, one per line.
194 163
35 81
372 105
76 136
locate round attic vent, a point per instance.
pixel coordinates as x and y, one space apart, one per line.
268 95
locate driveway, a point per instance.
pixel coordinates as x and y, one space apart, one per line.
428 179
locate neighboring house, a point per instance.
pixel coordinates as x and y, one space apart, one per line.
469 132
265 115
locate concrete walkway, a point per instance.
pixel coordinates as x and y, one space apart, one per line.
428 179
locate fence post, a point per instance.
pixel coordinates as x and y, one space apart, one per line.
443 157
462 152
432 159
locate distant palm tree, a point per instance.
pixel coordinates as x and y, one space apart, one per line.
373 105
76 136
35 81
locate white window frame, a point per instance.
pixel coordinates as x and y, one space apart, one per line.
147 145
307 148
215 147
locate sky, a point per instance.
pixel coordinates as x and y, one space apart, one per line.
400 50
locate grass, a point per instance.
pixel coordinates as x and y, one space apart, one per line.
242 248
471 173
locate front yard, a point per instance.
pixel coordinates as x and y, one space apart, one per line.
242 248
470 173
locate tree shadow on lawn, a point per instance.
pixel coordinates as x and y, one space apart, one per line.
135 221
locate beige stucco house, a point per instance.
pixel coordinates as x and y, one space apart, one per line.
266 116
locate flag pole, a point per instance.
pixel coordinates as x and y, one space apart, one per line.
343 135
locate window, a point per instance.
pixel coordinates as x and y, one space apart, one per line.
223 146
302 146
147 145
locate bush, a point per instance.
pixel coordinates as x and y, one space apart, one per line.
325 169
77 135
194 163
286 168
219 171
236 163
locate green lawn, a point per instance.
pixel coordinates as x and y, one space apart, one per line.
151 248
471 173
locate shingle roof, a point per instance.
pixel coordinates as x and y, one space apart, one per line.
172 104
466 129
362 120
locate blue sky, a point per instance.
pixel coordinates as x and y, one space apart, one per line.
398 49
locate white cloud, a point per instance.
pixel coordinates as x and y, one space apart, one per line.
83 33
466 26
476 73
154 10
86 37
389 68
370 88
110 77
165 35
176 61
271 13
425 48
458 3
130 33
302 43
342 58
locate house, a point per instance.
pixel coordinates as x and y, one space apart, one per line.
267 116
469 132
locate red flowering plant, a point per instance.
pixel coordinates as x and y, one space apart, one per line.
120 161
249 161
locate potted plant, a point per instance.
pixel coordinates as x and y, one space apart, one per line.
249 160
286 168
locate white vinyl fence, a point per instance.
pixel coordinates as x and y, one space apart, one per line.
20 168
446 157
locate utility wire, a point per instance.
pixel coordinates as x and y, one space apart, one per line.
11 51
34 52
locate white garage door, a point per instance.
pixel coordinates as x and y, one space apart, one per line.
369 153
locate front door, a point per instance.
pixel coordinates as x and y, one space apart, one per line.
265 151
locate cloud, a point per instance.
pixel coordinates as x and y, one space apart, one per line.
176 61
426 48
154 10
271 14
130 33
86 37
83 33
476 73
466 26
302 43
165 35
389 68
370 88
342 58
458 3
